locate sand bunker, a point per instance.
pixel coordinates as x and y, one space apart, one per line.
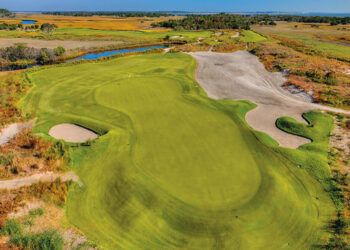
72 133
241 76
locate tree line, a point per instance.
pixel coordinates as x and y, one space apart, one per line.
233 21
45 27
203 22
21 56
309 19
6 13
109 13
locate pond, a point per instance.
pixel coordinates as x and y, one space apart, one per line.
28 22
98 55
91 56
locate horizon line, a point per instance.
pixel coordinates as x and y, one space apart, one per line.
186 11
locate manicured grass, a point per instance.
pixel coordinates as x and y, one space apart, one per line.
176 170
250 36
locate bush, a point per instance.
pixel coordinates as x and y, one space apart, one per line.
59 51
45 57
48 27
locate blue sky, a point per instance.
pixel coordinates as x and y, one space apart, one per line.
341 6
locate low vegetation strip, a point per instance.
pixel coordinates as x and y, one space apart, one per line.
176 169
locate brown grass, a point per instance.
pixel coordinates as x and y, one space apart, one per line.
95 22
12 87
321 32
28 154
310 73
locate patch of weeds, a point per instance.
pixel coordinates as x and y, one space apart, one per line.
28 222
47 240
6 160
36 212
59 149
11 227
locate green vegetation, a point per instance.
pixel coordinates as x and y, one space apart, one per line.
21 56
5 13
313 46
134 37
310 19
47 240
230 21
205 22
249 36
48 27
5 26
129 35
176 169
315 156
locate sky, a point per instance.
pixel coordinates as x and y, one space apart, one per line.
329 6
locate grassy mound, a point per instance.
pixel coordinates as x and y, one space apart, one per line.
175 170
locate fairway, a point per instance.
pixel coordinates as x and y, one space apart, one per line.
172 168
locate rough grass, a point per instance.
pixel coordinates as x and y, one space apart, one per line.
324 40
120 35
96 22
176 170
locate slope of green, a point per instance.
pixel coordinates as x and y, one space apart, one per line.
174 169
250 36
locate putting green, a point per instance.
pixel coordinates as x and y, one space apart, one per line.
176 170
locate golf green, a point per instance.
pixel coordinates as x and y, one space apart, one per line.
172 168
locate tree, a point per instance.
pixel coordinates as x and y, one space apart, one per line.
59 51
5 13
48 27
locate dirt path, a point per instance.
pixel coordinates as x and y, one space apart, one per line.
36 178
50 44
241 76
12 130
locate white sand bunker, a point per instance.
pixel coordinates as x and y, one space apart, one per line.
72 133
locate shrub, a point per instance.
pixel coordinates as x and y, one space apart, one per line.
6 160
11 228
48 27
45 56
59 51
47 240
36 212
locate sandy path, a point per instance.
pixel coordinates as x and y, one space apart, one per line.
36 178
72 133
50 44
12 130
241 76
